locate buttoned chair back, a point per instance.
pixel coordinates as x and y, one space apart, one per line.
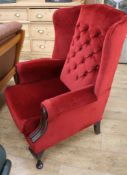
69 92
87 55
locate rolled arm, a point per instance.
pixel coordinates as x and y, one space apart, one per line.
42 128
8 29
53 107
69 101
40 69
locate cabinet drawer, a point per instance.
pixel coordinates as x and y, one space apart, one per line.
41 14
26 28
26 46
42 31
13 14
42 46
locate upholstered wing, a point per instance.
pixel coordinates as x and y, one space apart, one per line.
64 21
111 53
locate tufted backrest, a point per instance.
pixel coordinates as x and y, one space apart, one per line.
84 57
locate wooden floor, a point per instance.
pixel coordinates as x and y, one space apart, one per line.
82 154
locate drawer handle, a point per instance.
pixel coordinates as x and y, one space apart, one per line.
39 16
42 46
17 14
40 31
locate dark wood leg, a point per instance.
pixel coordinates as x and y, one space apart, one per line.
39 164
16 78
97 127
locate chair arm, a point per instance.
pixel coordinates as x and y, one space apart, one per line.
37 70
9 29
42 128
60 104
69 101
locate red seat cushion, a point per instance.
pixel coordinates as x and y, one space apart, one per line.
83 60
24 101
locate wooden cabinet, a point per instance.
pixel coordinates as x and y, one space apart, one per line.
36 18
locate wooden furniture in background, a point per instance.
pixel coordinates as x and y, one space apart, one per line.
36 17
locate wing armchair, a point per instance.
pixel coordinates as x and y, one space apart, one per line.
55 98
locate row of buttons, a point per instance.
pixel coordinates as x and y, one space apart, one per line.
87 72
82 60
95 68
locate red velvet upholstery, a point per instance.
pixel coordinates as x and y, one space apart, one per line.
83 60
110 56
40 69
63 35
28 110
87 75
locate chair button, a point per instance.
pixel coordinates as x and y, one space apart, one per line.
96 67
91 54
73 54
76 78
82 60
97 34
85 28
73 65
87 42
84 74
78 25
78 37
68 71
80 48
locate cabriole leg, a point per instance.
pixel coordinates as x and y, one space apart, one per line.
39 164
97 127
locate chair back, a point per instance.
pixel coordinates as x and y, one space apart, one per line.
84 58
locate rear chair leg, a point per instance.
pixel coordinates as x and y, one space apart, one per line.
39 164
97 127
16 78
